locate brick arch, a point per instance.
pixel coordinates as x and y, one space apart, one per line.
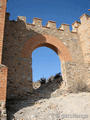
48 41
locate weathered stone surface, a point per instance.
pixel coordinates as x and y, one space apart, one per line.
3 69
84 34
2 22
64 107
3 115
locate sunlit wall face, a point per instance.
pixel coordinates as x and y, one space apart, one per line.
45 63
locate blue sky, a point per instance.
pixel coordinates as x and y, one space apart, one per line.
45 63
61 11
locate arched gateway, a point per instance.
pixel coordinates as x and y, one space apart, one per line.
48 41
22 38
51 42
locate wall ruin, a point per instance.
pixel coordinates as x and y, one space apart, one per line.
22 38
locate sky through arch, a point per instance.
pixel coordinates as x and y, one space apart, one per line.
45 63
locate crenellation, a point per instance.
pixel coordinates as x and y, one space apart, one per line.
51 24
65 27
84 18
37 22
21 18
75 26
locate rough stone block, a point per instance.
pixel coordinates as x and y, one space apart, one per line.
65 27
75 26
84 18
21 18
51 24
37 21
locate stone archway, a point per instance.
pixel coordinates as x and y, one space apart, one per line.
50 42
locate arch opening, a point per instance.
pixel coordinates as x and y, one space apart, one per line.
45 57
46 67
51 42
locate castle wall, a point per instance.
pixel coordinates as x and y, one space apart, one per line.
18 57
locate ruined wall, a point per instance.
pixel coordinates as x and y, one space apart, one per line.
3 68
22 38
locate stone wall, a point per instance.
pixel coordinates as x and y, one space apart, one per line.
2 20
83 30
84 34
22 38
3 89
3 68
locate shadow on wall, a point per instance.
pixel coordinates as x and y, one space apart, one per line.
43 92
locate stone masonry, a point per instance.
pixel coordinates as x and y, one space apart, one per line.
19 39
3 68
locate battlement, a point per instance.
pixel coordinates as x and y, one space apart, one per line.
65 27
37 21
21 18
84 18
75 26
52 24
